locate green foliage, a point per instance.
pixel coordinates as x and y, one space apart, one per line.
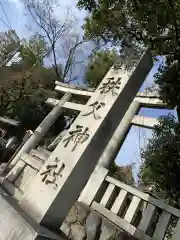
134 25
113 168
26 85
8 44
33 52
161 159
88 5
98 66
22 96
168 81
122 173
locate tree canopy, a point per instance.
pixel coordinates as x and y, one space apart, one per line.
99 64
161 160
132 23
26 84
135 24
9 43
33 51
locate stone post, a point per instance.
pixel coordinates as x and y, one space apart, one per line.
42 129
118 137
62 178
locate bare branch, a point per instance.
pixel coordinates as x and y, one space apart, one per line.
63 44
42 14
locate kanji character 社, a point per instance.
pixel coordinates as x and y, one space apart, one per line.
51 172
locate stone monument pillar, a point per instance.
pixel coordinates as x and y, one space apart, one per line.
60 181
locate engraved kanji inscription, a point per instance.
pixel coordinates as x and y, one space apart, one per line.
52 171
95 107
77 136
111 86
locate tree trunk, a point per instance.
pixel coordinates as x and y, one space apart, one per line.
55 64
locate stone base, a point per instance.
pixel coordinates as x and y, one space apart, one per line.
84 223
15 224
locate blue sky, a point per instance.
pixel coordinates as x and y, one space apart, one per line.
14 10
17 14
129 152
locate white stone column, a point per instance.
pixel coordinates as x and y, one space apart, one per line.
42 129
118 137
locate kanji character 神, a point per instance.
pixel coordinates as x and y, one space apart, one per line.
77 136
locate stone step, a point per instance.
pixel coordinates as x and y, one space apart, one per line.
18 180
32 161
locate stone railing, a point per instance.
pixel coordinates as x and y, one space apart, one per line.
139 214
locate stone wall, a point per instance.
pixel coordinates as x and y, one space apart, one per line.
82 223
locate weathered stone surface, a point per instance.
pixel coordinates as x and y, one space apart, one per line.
77 232
65 228
93 224
82 211
72 215
124 236
83 223
17 225
2 167
108 231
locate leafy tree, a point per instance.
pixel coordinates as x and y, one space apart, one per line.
33 52
161 160
98 66
168 81
26 84
22 96
9 43
135 24
122 173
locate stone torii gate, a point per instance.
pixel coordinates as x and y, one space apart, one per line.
91 142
